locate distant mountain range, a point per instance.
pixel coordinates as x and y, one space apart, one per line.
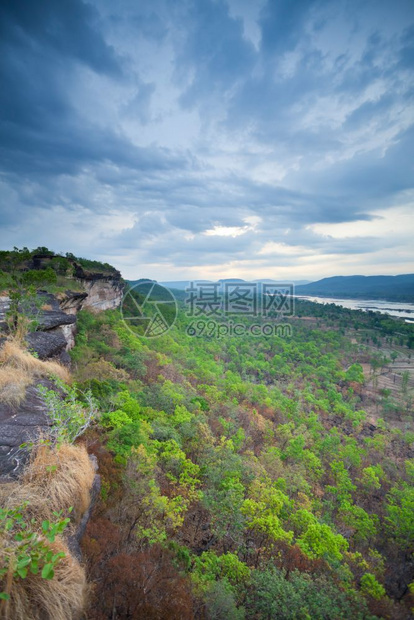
181 285
389 288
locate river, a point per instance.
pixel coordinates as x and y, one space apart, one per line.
403 310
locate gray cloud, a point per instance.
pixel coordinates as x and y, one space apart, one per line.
130 130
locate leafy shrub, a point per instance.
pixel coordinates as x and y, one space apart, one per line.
400 514
371 587
25 548
116 419
273 596
69 416
125 437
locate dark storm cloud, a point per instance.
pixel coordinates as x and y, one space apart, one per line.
201 132
215 49
374 178
41 131
68 28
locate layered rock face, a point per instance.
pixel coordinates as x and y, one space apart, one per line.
103 289
4 307
103 294
53 338
18 426
55 333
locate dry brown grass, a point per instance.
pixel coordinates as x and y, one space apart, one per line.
21 328
54 480
61 598
19 369
13 384
14 356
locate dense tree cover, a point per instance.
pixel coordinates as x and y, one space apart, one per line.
241 477
373 327
22 266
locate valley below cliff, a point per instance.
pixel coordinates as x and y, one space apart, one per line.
192 476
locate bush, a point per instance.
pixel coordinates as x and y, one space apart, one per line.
24 548
371 587
37 572
272 597
141 585
69 416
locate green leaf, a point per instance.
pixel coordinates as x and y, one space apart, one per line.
22 572
4 596
34 567
23 562
48 572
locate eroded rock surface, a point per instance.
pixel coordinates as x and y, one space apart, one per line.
103 294
54 337
4 307
50 313
19 425
47 344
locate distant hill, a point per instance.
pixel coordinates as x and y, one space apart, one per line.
295 282
140 281
390 288
181 285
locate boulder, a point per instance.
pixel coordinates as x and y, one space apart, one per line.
47 344
72 301
50 314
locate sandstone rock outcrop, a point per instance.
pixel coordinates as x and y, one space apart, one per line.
103 294
56 314
55 317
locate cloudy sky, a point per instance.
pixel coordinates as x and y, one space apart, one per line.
210 138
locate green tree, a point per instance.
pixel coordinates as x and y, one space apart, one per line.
371 587
317 540
400 514
263 509
301 597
